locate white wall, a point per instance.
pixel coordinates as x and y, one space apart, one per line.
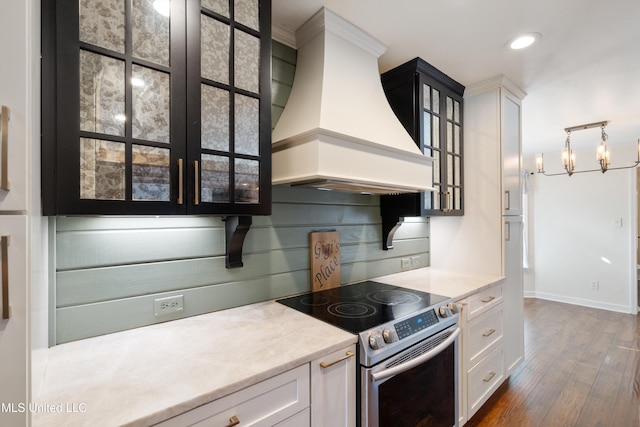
583 230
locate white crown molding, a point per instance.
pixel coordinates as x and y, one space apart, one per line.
284 36
497 82
327 20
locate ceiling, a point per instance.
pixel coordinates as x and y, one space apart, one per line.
585 68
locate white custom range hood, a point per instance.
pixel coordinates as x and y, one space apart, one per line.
337 130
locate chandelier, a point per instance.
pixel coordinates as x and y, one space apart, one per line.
569 157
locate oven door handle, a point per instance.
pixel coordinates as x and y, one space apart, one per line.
378 376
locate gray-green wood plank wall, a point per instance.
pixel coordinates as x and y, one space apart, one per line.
109 271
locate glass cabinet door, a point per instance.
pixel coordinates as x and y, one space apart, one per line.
441 138
157 106
118 85
231 95
125 100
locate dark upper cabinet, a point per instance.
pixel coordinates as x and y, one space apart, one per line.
156 107
430 106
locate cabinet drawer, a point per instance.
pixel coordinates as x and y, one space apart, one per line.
301 419
484 379
484 333
482 301
263 404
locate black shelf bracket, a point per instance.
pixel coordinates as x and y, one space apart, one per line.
390 224
236 228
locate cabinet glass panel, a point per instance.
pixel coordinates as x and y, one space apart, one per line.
457 133
247 61
151 104
102 23
220 7
215 48
426 134
456 111
214 179
214 118
449 108
436 167
102 169
436 132
456 172
247 185
456 198
150 173
449 168
247 12
450 137
436 101
150 30
426 97
247 125
102 94
437 196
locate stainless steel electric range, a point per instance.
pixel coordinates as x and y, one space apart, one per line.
407 350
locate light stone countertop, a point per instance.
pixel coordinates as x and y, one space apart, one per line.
457 285
146 375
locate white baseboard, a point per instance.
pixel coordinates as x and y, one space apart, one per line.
578 301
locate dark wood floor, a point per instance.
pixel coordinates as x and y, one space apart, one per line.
581 368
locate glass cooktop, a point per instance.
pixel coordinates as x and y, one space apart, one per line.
362 305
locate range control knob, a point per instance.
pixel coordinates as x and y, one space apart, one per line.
376 341
444 311
390 335
455 308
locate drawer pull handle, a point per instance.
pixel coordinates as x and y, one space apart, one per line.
488 299
4 147
489 332
233 421
490 377
196 196
4 242
180 182
325 365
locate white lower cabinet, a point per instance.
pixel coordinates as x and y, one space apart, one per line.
319 394
333 389
282 400
483 349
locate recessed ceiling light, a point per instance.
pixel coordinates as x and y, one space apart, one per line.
524 40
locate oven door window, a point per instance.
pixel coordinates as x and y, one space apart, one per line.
421 396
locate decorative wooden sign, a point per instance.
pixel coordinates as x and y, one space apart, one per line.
324 248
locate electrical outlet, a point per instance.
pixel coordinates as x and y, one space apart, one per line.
595 285
405 263
415 260
169 304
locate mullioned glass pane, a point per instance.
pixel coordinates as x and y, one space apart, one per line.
247 181
102 94
247 62
247 12
150 32
214 118
102 23
214 45
151 104
150 178
247 125
102 170
214 179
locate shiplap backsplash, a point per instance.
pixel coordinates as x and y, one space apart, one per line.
109 271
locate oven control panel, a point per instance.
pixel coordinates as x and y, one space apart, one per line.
379 343
416 324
